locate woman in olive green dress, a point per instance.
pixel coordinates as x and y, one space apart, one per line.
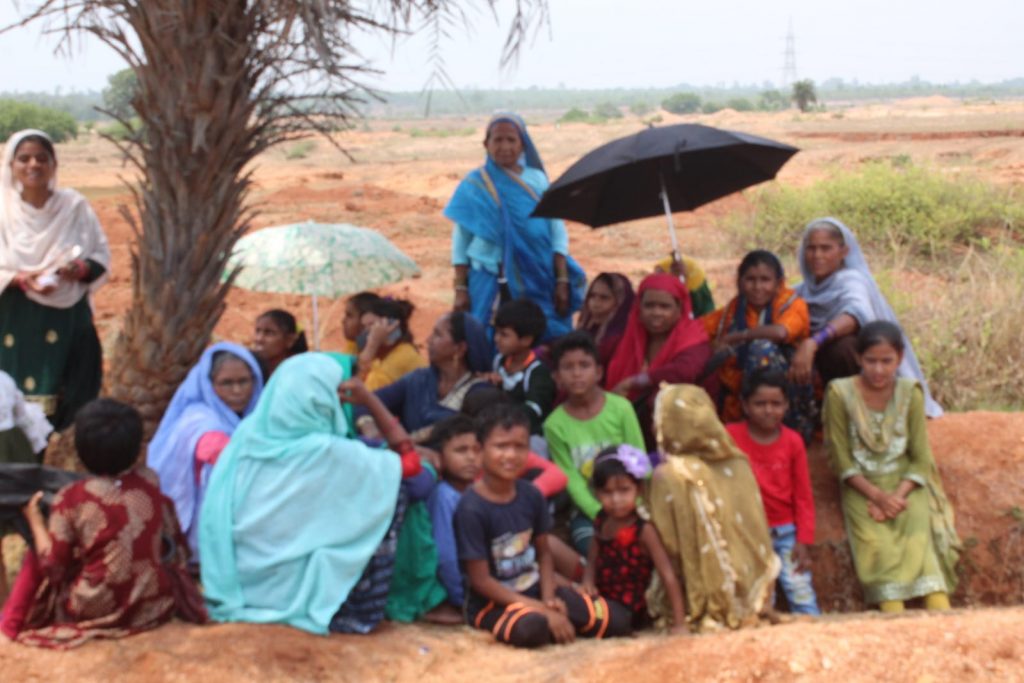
898 520
53 254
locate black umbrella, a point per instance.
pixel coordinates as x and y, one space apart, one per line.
659 170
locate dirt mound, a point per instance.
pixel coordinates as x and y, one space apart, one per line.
862 136
976 645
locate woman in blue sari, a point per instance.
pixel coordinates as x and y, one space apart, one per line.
499 251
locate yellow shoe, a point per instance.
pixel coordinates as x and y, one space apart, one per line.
890 606
936 601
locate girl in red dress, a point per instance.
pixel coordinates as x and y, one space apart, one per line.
626 548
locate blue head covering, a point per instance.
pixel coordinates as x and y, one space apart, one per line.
530 156
294 509
852 290
495 206
194 411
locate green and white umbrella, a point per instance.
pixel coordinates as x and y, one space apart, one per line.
318 259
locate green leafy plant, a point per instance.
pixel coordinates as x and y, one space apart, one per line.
681 103
300 150
15 116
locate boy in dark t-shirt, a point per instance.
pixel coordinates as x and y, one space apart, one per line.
501 529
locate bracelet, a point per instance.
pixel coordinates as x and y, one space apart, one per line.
560 280
824 334
403 447
461 288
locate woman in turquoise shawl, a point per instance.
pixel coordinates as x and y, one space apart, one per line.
295 509
499 251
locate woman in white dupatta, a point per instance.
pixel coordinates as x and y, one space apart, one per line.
53 254
842 296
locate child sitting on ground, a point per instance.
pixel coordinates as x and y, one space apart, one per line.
589 420
501 528
518 327
626 548
455 439
544 474
111 561
779 461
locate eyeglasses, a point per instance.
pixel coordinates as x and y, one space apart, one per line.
233 383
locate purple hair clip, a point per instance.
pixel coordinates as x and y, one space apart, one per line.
636 462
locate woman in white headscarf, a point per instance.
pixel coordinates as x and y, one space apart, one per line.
53 253
842 297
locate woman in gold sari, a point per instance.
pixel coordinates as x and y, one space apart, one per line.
707 506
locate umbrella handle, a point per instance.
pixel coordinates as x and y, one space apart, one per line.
676 253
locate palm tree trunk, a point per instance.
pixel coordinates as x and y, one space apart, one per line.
194 95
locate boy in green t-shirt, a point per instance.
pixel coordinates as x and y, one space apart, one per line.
590 419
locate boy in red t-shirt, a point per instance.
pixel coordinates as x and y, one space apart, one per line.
779 461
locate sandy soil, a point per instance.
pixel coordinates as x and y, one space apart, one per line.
976 645
398 186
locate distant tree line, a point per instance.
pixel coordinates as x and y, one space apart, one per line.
593 104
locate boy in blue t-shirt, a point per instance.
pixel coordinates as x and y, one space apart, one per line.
455 439
501 529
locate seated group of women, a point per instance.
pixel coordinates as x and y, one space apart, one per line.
291 516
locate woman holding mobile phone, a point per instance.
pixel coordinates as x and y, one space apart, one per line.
386 349
53 255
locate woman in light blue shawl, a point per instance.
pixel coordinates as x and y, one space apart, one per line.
499 251
842 297
295 510
197 425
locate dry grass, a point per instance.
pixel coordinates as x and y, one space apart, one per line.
965 323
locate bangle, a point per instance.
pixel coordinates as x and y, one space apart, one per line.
824 334
461 288
403 447
562 279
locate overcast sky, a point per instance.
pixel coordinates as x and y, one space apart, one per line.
639 43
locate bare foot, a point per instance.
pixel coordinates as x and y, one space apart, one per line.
443 615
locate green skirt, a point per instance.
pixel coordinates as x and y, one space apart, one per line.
415 588
53 354
903 558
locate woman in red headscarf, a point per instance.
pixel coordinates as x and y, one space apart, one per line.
662 343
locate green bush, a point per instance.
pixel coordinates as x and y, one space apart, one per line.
119 93
640 108
15 116
574 115
681 103
442 132
710 108
772 100
118 131
888 205
300 150
740 104
607 110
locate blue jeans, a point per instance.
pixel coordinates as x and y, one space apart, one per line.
795 585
